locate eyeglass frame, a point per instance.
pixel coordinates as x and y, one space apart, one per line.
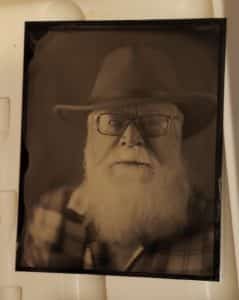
133 119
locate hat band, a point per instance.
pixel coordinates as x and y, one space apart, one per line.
97 103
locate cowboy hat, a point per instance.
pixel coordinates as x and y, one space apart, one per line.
139 74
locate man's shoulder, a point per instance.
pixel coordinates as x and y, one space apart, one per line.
55 199
52 229
50 208
201 210
51 211
62 201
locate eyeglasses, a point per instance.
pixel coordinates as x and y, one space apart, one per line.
151 125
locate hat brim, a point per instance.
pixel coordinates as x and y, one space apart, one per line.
198 109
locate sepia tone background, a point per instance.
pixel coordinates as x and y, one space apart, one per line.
62 71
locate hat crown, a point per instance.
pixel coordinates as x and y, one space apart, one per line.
134 71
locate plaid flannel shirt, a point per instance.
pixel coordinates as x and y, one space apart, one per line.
60 237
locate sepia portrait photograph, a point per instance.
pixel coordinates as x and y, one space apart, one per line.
122 148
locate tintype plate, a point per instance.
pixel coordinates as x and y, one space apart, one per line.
122 148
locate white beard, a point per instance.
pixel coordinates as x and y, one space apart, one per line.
128 212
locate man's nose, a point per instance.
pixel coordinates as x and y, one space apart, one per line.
131 137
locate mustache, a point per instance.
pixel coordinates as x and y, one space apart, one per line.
140 155
133 163
130 157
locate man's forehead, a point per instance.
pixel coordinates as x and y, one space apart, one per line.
147 108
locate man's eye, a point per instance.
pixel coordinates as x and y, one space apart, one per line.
116 123
164 123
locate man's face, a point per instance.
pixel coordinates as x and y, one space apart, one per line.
135 180
132 143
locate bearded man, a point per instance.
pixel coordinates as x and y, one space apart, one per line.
136 210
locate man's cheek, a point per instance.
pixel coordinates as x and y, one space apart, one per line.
165 150
102 147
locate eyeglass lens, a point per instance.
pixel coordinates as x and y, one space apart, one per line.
150 125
